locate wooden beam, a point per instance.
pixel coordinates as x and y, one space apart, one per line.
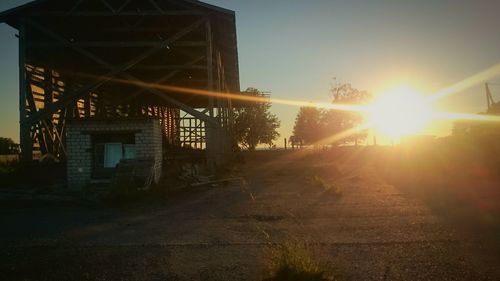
111 9
48 98
75 7
211 131
108 76
164 78
121 14
49 144
156 6
210 65
170 67
156 92
123 44
41 138
123 6
60 127
26 142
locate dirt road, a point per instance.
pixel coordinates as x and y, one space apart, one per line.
371 231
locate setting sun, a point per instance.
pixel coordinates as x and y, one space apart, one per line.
400 111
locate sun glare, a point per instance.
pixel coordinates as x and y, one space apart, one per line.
399 112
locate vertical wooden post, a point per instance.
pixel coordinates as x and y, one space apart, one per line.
211 130
210 65
24 128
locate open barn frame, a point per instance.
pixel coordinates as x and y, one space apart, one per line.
107 59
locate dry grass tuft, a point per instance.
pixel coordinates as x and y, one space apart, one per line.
320 183
295 261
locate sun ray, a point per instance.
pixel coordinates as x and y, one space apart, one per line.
344 134
466 117
241 97
482 76
400 109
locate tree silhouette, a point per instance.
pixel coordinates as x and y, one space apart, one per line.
337 121
308 127
314 125
254 123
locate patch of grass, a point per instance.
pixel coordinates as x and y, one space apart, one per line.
295 261
325 186
8 171
7 168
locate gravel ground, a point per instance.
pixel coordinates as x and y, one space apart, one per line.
371 231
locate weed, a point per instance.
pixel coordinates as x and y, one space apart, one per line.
295 261
320 183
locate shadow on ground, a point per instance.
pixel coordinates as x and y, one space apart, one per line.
364 214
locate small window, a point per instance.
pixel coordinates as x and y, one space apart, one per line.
109 150
113 154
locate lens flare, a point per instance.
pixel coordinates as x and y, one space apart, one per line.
400 111
480 77
240 96
344 134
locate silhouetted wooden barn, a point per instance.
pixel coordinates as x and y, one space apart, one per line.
93 62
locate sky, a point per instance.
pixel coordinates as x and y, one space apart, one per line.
295 48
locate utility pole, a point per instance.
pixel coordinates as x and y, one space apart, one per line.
489 97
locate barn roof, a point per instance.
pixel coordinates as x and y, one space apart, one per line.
10 16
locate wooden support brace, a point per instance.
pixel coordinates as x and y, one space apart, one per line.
163 79
114 71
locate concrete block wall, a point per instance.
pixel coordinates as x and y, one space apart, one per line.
148 144
79 157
